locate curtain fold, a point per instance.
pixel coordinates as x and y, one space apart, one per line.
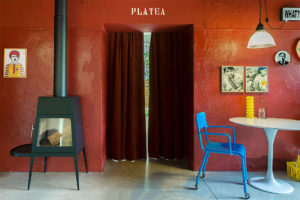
126 133
166 99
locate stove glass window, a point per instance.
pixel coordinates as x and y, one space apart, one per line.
55 132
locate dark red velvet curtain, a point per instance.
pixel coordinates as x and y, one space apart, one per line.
126 102
166 100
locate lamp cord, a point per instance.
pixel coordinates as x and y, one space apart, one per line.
260 11
267 18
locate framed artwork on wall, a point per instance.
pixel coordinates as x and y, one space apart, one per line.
15 63
282 58
298 48
232 79
257 79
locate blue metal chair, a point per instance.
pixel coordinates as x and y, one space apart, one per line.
230 148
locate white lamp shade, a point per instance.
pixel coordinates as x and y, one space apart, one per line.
261 39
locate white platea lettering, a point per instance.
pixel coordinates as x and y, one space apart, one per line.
138 12
150 9
145 11
156 11
133 10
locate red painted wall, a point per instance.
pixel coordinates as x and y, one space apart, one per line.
221 32
282 100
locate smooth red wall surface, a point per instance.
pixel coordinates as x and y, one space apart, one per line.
222 29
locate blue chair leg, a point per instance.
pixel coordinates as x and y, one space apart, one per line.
246 168
204 167
200 170
244 171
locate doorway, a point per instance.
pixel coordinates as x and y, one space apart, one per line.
186 94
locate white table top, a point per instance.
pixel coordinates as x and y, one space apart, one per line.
276 123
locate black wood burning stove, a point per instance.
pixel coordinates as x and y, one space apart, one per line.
58 131
58 126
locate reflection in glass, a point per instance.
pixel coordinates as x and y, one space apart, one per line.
261 113
55 132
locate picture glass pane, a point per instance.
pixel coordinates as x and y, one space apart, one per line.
232 79
54 132
257 79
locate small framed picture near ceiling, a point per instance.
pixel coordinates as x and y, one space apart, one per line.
15 63
232 79
298 48
282 58
257 79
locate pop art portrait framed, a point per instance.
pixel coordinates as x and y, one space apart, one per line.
282 58
257 79
232 79
15 63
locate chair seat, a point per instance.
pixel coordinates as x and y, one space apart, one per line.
217 147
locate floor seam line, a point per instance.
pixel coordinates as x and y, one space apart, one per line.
210 190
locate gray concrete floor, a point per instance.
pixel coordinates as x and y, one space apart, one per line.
124 180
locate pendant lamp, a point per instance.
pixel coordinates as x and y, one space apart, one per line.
261 38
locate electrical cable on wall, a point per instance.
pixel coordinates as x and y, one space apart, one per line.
267 19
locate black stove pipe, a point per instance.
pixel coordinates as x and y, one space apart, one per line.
60 49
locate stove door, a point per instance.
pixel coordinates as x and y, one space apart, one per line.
54 132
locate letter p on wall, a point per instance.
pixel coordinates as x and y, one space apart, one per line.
133 10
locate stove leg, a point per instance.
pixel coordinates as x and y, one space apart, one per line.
84 156
45 164
30 171
76 171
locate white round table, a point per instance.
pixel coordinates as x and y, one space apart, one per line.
271 126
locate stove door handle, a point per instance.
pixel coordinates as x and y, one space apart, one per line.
32 129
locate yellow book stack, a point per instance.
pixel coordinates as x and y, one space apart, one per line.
293 169
250 107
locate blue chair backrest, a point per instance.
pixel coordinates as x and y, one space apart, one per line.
201 123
